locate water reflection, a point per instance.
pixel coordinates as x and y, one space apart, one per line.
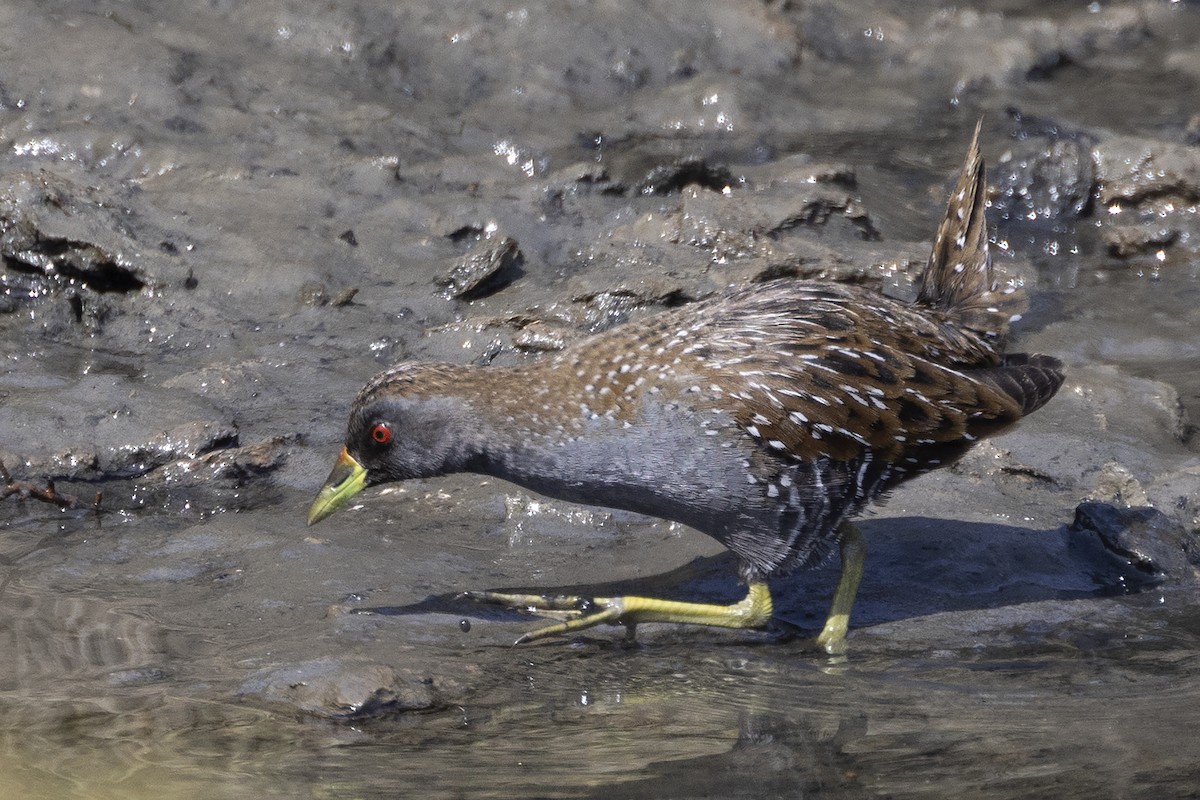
700 716
988 687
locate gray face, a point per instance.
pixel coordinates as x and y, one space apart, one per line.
396 438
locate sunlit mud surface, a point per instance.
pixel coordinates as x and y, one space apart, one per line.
217 220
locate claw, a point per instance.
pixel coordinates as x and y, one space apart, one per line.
577 613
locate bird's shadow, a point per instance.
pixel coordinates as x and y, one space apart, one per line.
915 566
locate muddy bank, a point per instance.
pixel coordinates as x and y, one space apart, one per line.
216 223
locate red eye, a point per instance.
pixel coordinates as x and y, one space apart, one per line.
381 433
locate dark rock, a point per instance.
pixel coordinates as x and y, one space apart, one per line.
1144 537
186 441
73 465
493 263
341 689
230 463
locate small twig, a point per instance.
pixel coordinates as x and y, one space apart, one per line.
23 490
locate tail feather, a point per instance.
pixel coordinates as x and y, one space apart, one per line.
959 279
1030 380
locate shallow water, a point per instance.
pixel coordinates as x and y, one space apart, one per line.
116 691
251 164
1079 717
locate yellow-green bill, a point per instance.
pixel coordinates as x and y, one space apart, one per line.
346 479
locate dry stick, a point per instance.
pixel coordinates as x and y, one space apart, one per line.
23 489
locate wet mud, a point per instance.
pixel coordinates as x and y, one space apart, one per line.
217 221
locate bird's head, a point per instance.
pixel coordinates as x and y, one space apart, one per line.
399 428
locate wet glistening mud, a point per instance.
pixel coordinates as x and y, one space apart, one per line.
217 222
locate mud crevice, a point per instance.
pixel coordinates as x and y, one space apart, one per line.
78 262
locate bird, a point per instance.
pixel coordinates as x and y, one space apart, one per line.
765 416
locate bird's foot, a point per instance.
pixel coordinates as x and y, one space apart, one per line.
573 612
577 613
832 638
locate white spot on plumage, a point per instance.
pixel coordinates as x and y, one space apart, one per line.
917 394
860 480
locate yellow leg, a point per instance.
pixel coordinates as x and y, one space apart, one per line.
832 638
577 613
